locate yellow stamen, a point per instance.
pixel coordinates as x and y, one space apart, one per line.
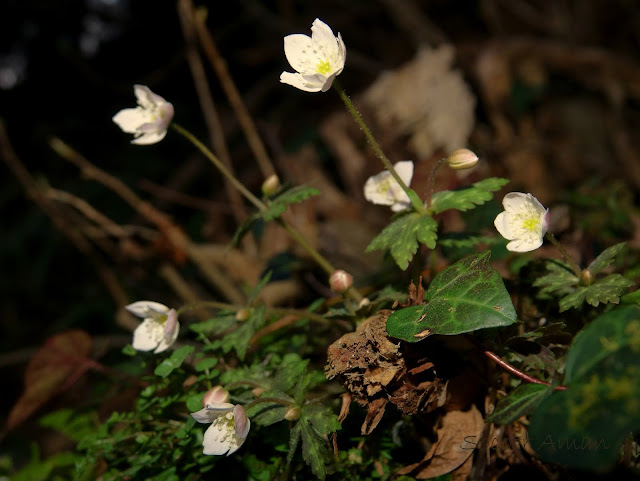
323 67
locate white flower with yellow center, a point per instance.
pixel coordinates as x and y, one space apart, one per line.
383 189
149 121
524 222
317 59
229 427
159 329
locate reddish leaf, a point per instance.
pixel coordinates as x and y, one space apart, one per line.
56 366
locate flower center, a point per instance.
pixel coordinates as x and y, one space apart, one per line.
323 67
531 224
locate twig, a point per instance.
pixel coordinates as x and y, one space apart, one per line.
164 224
208 107
516 372
226 81
30 186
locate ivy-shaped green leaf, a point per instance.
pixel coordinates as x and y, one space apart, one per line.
585 426
404 234
521 401
606 258
605 290
467 197
467 296
277 206
174 361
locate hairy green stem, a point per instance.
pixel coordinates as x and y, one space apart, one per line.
415 202
574 266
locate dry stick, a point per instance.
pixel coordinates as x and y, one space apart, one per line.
164 224
516 372
220 67
30 186
216 134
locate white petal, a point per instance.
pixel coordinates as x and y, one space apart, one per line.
217 438
130 119
220 407
205 415
400 206
524 244
376 192
404 169
149 138
502 225
167 342
513 201
148 335
299 49
342 55
298 81
324 40
142 308
146 98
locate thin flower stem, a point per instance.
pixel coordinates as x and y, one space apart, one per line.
376 147
220 166
516 372
275 400
295 235
574 266
432 180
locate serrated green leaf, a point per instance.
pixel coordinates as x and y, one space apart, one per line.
606 258
404 234
242 230
294 439
467 197
290 372
174 361
559 281
585 426
314 450
605 290
279 205
240 337
521 401
215 325
205 364
267 412
467 296
463 241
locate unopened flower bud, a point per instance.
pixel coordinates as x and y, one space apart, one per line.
292 414
215 395
340 281
257 391
461 159
271 185
586 277
243 315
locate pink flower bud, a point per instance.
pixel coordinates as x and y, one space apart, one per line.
340 281
215 395
461 159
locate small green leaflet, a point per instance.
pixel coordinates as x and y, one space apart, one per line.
521 401
404 234
467 296
605 290
606 258
467 197
174 361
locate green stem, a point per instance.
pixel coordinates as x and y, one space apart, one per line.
220 166
275 400
415 202
295 235
574 266
432 180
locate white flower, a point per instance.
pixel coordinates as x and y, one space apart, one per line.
317 59
229 427
524 222
160 327
383 189
149 121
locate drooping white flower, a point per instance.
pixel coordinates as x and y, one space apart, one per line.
159 329
524 222
383 189
149 121
317 59
229 427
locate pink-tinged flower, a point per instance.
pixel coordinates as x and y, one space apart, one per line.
149 121
215 395
159 329
318 59
383 189
524 222
229 427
